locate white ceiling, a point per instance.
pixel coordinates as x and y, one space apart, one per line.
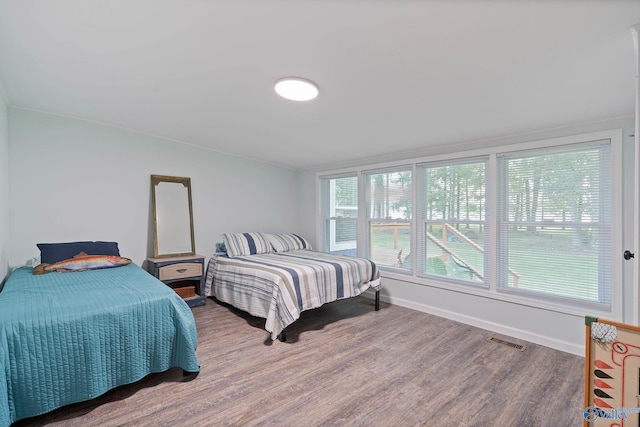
394 75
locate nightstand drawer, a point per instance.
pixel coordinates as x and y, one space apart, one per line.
183 274
180 270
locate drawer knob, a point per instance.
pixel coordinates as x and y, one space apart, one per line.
181 270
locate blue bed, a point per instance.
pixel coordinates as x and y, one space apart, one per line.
70 337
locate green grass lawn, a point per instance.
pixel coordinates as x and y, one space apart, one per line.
548 260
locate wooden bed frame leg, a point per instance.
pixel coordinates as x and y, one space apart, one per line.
283 335
377 300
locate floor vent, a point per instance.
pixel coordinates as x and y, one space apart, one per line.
508 343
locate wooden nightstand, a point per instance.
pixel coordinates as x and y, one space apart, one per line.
184 274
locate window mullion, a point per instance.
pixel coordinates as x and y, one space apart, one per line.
415 220
493 213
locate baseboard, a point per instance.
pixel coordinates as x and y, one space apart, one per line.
567 347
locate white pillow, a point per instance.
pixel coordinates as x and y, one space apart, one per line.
283 242
242 244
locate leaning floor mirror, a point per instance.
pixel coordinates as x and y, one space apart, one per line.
172 216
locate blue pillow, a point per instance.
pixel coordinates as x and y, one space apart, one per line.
221 248
54 252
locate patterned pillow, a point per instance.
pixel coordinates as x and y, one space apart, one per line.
241 244
283 242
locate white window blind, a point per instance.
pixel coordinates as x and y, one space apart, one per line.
555 224
389 213
534 223
452 239
340 212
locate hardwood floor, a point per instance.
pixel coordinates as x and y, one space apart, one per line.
345 364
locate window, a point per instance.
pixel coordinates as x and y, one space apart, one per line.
555 223
535 223
340 208
389 196
453 220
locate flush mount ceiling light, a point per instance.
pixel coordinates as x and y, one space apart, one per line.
296 89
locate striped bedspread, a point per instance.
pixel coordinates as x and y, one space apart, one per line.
279 286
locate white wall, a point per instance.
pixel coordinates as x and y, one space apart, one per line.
78 180
4 189
557 330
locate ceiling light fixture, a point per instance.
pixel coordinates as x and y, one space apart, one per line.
296 89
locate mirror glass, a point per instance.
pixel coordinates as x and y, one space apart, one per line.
172 216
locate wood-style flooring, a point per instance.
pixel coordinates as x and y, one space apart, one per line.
346 365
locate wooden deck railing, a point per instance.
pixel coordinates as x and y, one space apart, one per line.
441 243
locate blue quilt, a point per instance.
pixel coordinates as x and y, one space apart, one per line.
70 337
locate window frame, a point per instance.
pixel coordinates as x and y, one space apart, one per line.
616 141
605 200
366 223
421 222
323 183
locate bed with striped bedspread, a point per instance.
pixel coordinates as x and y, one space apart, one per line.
278 286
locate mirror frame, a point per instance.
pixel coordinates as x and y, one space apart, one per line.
186 182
